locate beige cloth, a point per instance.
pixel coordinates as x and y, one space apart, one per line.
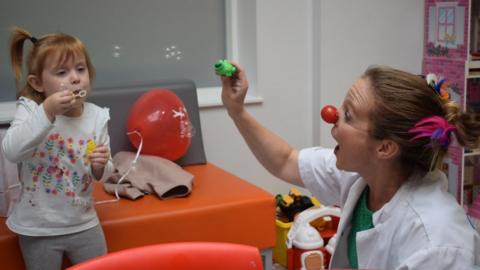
151 174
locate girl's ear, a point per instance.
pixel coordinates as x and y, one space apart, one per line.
387 149
35 83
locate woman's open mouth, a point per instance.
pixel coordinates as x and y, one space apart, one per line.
335 150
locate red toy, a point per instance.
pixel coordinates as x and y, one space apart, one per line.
308 248
329 114
162 120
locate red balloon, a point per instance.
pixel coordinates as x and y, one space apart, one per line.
162 120
329 114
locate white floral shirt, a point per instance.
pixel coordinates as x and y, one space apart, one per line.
55 173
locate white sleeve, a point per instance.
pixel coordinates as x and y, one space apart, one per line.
321 177
28 128
439 258
104 139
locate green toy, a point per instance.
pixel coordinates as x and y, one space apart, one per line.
224 68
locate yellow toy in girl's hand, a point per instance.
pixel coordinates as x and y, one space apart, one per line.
90 146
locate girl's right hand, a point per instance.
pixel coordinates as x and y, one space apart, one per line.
58 103
234 90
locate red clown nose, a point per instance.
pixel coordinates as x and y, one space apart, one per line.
329 114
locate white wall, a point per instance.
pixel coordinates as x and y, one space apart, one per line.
356 34
308 54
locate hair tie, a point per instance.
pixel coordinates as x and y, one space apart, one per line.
33 39
436 128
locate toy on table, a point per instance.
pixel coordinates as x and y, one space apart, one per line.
292 204
305 243
289 206
329 114
224 68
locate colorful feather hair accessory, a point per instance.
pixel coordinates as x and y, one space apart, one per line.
436 128
440 86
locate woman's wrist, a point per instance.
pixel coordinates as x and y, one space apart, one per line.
236 113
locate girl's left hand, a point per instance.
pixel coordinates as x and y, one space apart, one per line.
99 157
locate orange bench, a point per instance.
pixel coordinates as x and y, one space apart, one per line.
221 208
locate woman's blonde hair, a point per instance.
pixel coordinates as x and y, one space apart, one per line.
403 99
67 47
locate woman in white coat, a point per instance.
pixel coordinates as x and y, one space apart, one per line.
393 130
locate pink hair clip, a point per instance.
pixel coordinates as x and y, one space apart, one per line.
436 128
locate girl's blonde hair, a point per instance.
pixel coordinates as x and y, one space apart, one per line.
403 99
68 47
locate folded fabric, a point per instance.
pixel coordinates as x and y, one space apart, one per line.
151 174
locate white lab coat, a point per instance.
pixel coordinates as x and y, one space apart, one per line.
421 227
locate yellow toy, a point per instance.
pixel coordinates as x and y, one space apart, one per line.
90 147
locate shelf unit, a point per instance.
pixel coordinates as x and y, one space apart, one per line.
452 50
472 69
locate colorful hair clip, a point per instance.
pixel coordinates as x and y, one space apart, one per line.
440 86
436 128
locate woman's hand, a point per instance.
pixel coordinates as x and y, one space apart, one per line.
234 90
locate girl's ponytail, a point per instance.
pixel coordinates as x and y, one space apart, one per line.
17 40
467 126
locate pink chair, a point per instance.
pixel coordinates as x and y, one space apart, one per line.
179 256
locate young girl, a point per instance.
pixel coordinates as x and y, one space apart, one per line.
392 133
62 144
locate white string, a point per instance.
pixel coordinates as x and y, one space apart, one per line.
134 161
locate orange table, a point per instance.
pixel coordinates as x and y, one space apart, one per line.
221 208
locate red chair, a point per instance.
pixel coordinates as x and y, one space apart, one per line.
179 256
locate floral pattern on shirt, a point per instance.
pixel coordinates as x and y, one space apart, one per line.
55 165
